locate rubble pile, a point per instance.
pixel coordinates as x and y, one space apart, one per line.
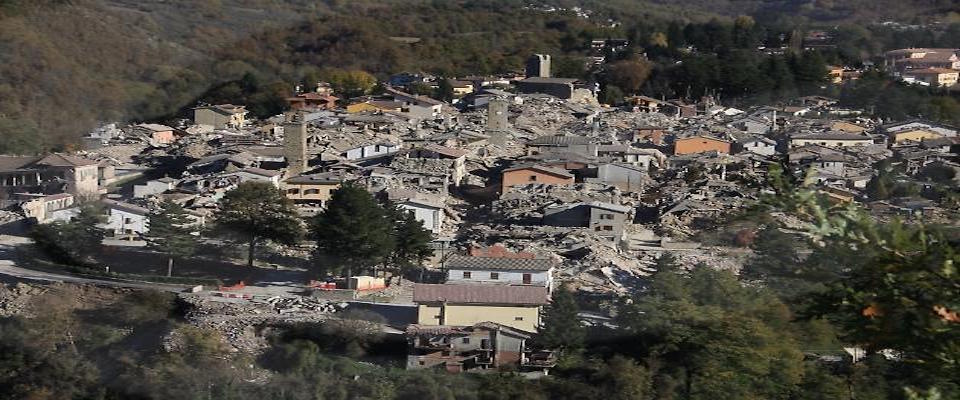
242 322
286 305
421 165
529 201
543 116
14 299
7 216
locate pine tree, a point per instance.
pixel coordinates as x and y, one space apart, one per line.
444 91
354 229
561 324
170 233
74 242
412 240
255 212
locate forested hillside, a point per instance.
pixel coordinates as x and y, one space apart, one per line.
65 65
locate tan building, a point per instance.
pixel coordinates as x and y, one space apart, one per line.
844 126
42 208
529 174
160 134
465 305
52 174
914 135
700 144
314 189
835 73
361 107
936 77
461 88
902 60
220 116
831 140
486 345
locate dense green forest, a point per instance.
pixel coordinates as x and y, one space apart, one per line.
65 65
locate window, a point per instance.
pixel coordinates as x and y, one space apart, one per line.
607 228
466 274
527 279
128 220
494 276
311 191
466 340
606 216
293 191
533 178
518 318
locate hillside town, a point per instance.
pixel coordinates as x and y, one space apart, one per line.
526 183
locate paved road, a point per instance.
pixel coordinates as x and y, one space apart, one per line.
10 272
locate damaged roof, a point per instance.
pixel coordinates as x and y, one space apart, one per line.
480 294
541 168
499 263
559 140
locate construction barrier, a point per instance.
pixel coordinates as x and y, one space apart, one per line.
238 286
322 285
366 283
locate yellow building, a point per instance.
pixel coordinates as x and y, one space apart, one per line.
836 73
376 105
936 77
914 135
361 107
464 305
843 126
313 189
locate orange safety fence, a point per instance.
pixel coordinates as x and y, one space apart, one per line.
238 286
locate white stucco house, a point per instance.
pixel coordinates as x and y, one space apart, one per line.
426 211
370 150
500 271
153 187
758 145
125 219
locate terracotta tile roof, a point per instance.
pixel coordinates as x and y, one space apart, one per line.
540 168
499 263
480 294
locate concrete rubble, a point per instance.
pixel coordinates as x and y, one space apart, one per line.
14 299
243 322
